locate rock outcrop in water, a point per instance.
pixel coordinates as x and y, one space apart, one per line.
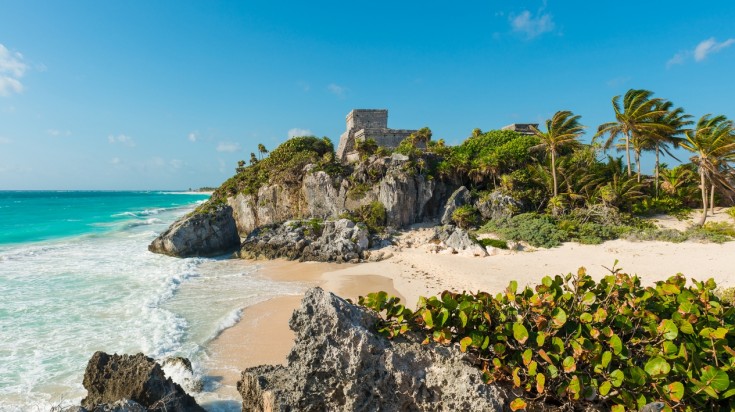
338 363
331 241
124 382
199 234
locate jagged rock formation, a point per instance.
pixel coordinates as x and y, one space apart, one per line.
339 363
113 380
331 241
199 234
460 197
457 240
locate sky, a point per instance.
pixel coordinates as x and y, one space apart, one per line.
149 95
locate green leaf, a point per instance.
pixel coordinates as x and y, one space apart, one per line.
464 343
559 317
589 298
540 382
686 327
513 287
442 317
586 317
575 387
540 339
569 364
658 367
526 356
553 371
428 319
716 378
674 391
606 358
617 377
520 333
532 367
719 333
463 319
557 345
668 329
605 388
617 408
616 344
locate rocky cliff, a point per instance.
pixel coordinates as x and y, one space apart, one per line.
338 362
407 196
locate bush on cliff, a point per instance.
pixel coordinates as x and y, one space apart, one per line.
571 340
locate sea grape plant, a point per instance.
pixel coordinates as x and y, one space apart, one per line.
571 339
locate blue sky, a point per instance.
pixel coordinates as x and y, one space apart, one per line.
170 94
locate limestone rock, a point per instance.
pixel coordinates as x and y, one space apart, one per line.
308 240
497 205
179 369
123 405
339 363
199 234
459 198
459 241
113 378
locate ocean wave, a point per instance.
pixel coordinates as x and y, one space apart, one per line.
227 322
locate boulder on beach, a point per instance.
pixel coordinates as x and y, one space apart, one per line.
209 233
120 382
339 363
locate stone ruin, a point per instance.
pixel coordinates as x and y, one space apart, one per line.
363 124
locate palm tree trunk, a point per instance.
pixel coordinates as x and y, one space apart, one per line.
627 154
703 186
656 171
712 200
638 163
553 170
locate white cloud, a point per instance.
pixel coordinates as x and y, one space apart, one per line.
700 52
12 69
57 133
228 147
121 139
115 161
299 132
710 46
337 90
5 140
193 136
532 25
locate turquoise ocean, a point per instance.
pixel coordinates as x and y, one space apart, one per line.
76 277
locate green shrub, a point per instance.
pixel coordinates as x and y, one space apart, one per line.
664 205
537 230
497 243
731 212
571 341
373 215
465 216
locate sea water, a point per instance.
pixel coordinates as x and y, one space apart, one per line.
76 277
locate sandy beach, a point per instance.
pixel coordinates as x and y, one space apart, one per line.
263 337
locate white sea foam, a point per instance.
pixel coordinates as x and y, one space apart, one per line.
63 300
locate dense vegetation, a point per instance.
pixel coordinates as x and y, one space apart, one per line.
571 340
563 188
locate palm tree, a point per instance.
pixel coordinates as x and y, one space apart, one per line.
639 115
677 121
262 150
562 130
713 143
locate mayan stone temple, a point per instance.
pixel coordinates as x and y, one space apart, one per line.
363 124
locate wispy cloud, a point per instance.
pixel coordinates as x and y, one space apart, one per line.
5 140
228 147
337 90
12 69
121 139
700 52
58 133
532 25
299 132
193 136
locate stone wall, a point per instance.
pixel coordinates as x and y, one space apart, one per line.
365 124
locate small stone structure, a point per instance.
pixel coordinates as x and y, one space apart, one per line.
363 124
522 128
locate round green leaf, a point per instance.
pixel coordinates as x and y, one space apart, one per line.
569 364
464 343
559 317
658 367
540 382
716 378
605 388
668 329
616 344
517 404
588 298
674 391
520 333
606 358
616 378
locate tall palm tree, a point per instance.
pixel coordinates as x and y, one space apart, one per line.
562 130
677 120
713 143
639 114
262 150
